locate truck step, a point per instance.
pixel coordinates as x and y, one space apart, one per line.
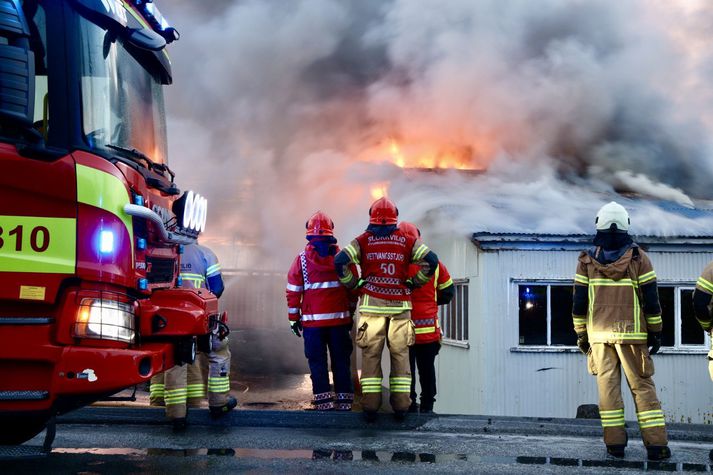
15 452
23 395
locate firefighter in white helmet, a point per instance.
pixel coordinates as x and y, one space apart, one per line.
617 317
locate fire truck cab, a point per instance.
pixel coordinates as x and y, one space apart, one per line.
91 222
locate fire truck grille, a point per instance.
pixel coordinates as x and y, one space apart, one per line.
160 270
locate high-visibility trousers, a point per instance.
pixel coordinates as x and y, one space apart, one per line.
606 362
397 331
195 387
183 386
219 372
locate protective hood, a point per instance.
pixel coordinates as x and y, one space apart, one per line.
322 262
381 230
616 270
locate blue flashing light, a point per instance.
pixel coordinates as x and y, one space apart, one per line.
179 281
152 11
106 242
143 284
138 200
141 244
181 248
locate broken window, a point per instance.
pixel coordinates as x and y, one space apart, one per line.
545 315
454 316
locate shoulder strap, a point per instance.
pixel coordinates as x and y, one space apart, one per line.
303 264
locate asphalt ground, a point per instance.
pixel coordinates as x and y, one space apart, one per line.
132 440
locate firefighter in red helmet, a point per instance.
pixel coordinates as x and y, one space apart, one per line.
424 314
384 254
322 309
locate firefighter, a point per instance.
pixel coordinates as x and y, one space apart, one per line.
424 314
183 385
384 253
322 309
617 318
703 310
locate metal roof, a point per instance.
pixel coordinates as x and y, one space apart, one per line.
575 242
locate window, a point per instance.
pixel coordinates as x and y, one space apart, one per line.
680 328
545 315
454 316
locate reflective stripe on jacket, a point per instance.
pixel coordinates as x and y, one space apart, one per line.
615 310
314 293
384 292
425 309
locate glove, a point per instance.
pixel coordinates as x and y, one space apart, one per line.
654 342
223 331
296 327
410 284
583 342
360 283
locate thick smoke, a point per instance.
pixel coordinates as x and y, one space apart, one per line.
562 102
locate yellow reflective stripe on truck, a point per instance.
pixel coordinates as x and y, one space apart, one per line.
38 244
105 191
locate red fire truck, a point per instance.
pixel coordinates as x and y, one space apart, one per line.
91 221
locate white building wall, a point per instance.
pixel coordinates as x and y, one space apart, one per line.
489 378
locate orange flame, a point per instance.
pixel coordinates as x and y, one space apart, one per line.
422 155
379 190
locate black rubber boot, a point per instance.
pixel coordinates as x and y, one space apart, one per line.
179 425
413 408
616 450
220 411
370 416
399 416
658 452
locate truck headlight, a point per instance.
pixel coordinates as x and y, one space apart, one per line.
105 320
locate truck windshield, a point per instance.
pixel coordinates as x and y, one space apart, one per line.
122 101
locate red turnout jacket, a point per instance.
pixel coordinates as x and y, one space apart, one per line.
314 292
425 309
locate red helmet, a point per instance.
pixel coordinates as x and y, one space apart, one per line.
410 229
383 211
319 224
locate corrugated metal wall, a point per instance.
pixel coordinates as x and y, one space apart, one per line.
489 378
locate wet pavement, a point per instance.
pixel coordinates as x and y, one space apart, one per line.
93 441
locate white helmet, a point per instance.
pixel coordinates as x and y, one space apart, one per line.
612 213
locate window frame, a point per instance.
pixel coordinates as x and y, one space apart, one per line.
678 345
679 348
515 308
463 324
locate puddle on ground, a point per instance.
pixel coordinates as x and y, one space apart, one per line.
391 457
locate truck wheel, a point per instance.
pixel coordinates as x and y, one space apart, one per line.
16 430
186 351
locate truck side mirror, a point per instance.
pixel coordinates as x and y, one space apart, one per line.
145 38
17 67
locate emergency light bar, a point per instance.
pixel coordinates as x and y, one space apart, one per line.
191 212
157 20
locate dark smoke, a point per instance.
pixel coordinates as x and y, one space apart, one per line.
557 99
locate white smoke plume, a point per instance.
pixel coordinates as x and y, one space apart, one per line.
281 108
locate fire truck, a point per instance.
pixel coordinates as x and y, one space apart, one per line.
92 224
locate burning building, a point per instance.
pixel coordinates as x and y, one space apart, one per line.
509 345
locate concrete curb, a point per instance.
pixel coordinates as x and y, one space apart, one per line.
526 426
